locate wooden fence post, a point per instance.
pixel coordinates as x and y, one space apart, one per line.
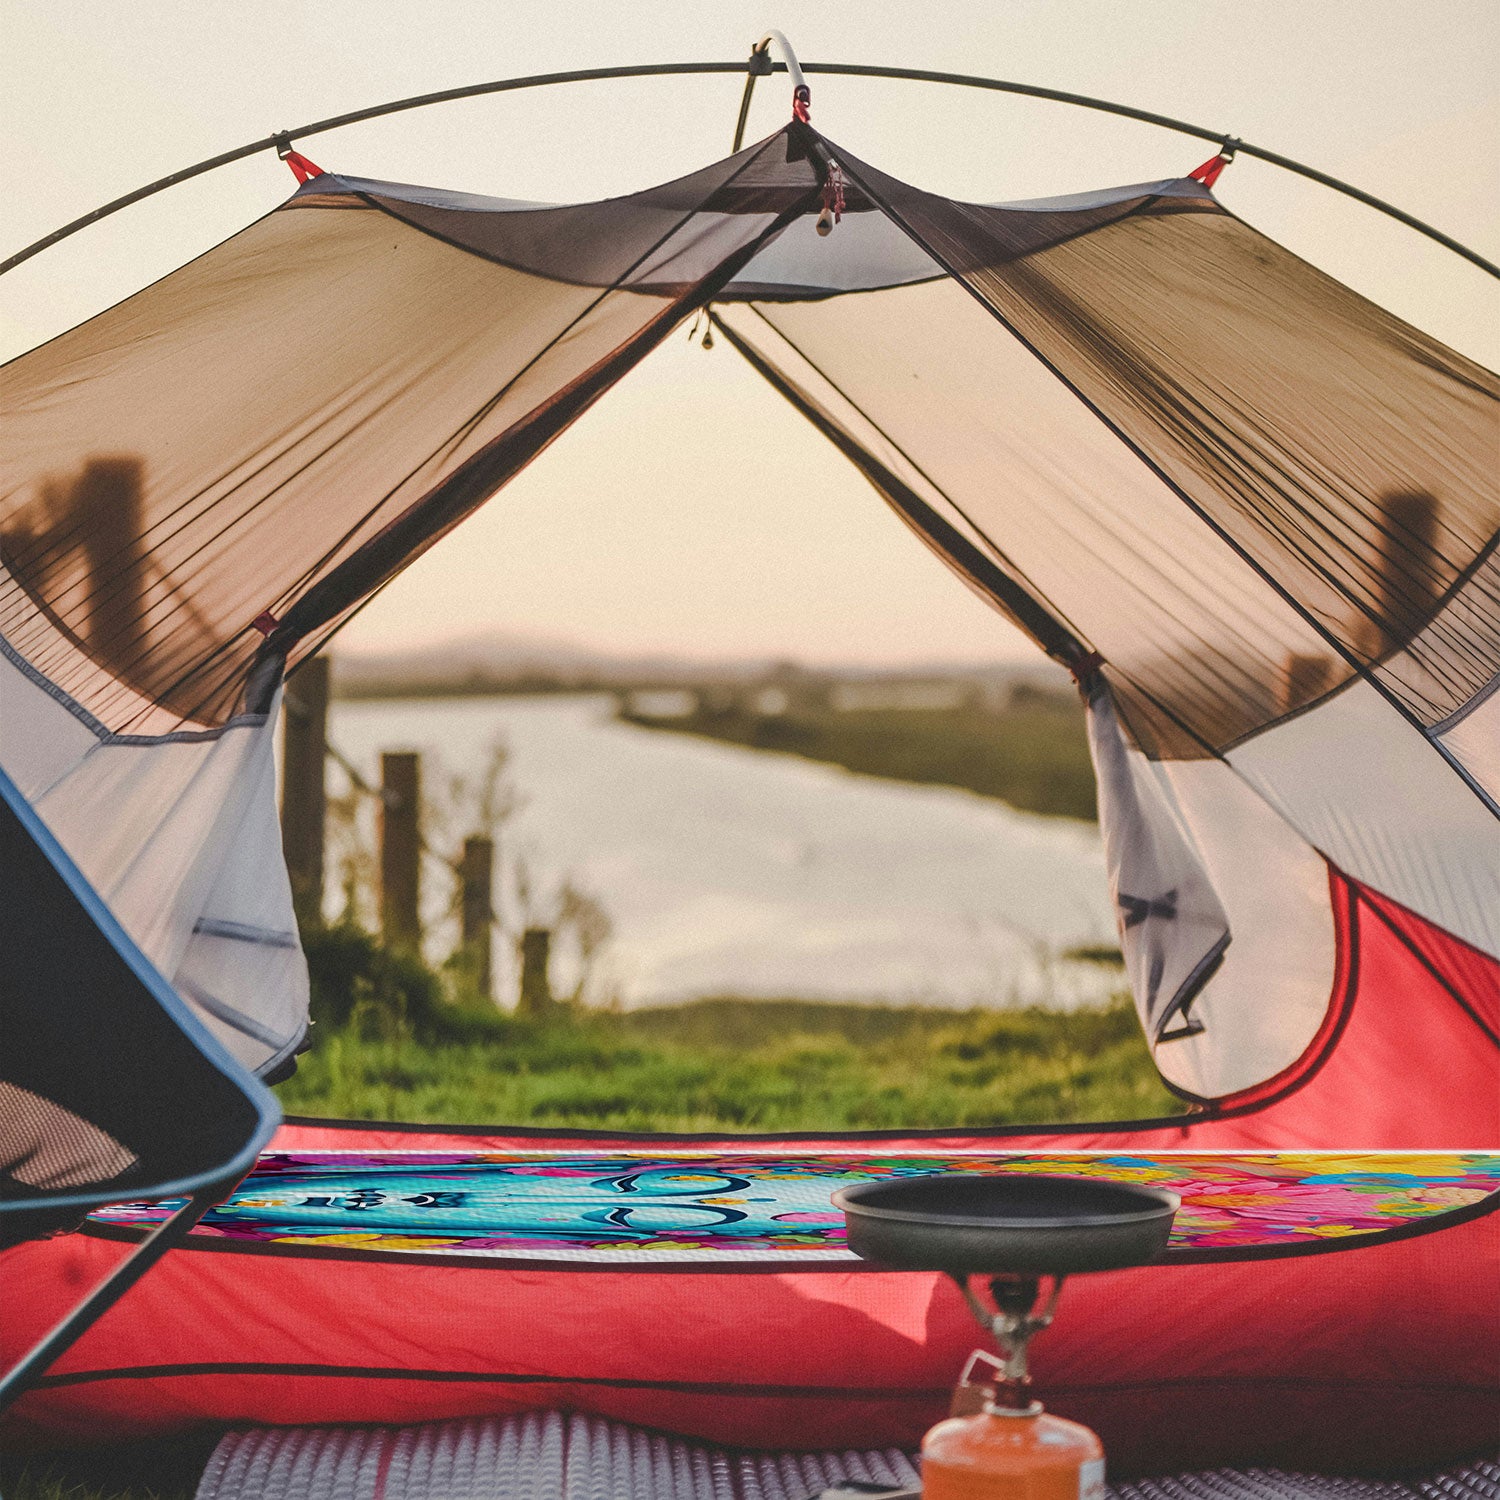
536 989
400 848
478 872
303 803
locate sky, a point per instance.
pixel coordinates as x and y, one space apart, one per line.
692 512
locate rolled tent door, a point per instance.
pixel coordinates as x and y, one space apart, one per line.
177 834
1174 931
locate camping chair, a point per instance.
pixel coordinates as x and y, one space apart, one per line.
109 1089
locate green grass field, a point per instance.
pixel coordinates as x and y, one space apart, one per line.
741 1065
1034 755
394 1040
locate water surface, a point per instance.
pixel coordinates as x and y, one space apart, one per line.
727 870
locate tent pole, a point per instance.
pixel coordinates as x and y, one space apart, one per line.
758 66
788 58
658 70
32 1366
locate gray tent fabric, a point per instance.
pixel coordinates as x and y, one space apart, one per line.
1173 928
552 1456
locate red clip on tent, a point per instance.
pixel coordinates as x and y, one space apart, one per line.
1256 514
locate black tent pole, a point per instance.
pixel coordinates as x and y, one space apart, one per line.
32 1367
758 66
282 139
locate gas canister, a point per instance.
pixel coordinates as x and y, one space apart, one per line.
1004 1454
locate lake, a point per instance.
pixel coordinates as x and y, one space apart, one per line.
725 870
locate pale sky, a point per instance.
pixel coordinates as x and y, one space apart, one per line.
691 511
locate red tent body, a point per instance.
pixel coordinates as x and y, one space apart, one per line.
1375 1357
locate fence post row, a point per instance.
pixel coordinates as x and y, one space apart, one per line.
400 848
303 827
476 874
535 998
303 799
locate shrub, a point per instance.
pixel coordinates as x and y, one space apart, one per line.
359 983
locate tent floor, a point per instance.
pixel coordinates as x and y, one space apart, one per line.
549 1456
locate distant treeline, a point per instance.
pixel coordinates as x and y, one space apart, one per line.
1010 739
475 685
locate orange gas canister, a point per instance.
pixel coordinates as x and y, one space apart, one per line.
1001 1454
999 1444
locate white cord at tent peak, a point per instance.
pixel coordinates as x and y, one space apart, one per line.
801 94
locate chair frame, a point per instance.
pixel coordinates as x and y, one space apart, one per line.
202 1190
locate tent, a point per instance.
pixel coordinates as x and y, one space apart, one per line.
1254 514
1257 513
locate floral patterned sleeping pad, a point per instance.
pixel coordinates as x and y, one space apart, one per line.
767 1210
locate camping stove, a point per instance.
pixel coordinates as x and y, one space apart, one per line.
1016 1233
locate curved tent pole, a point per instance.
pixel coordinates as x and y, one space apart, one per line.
759 64
788 58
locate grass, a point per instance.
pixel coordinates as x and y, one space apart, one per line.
1034 755
744 1065
394 1041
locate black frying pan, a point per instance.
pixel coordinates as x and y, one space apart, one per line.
1024 1223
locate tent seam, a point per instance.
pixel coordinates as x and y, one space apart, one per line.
102 732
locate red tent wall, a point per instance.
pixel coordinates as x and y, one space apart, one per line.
1383 1356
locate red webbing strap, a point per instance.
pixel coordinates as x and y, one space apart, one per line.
304 169
1208 173
802 104
833 193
